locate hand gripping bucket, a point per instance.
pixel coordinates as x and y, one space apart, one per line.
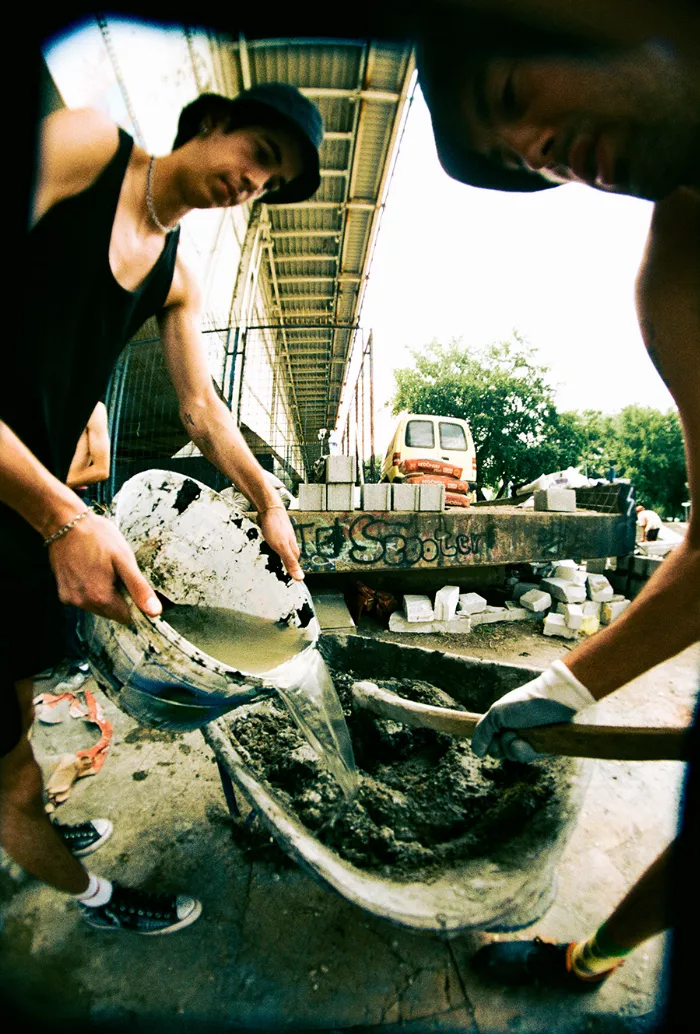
198 550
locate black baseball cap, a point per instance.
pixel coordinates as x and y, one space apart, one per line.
442 56
270 104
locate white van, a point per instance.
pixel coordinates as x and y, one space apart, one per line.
446 439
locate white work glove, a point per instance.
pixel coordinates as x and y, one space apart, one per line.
554 696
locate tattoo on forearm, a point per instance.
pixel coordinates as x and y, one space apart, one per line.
187 417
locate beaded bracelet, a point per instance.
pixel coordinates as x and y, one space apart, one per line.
66 528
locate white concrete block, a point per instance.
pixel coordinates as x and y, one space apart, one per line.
522 587
516 613
340 496
536 600
431 497
555 624
567 592
562 499
591 609
490 616
398 623
404 497
446 600
573 613
312 497
568 571
376 497
470 603
599 588
340 470
612 610
418 608
455 626
590 624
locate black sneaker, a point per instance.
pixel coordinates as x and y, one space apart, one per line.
141 912
533 962
84 837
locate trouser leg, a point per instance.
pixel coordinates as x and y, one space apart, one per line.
26 832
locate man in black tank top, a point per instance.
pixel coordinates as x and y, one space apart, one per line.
102 258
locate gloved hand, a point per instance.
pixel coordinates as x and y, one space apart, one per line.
554 696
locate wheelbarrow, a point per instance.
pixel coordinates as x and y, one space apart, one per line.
511 887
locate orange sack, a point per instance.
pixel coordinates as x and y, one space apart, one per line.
430 467
453 499
435 479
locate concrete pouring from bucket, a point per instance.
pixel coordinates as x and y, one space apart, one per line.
505 888
198 550
202 553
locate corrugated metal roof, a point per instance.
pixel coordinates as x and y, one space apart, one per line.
318 253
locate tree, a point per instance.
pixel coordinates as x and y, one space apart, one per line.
505 396
651 455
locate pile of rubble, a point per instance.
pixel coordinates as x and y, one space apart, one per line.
567 598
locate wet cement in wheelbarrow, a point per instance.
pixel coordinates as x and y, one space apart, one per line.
425 800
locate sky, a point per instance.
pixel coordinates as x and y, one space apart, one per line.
453 261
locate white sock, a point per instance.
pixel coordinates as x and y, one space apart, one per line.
99 891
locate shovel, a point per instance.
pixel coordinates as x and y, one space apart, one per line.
608 742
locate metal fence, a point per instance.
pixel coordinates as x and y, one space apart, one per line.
281 429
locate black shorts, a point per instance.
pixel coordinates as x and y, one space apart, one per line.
652 534
32 638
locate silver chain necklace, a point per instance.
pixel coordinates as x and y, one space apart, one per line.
149 202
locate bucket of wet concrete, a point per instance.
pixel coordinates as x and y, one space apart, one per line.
435 839
225 590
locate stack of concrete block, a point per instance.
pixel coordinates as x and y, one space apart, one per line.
490 615
341 470
419 615
516 613
536 600
446 601
563 590
555 624
404 497
312 497
431 497
599 588
521 588
569 571
573 614
417 608
340 481
470 603
558 499
376 497
612 609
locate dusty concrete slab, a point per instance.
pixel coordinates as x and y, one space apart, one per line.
274 950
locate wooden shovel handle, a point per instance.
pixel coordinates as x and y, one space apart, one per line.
609 742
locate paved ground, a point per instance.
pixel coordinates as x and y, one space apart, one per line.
274 950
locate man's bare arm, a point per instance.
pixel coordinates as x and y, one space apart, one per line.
93 558
90 463
210 424
665 617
